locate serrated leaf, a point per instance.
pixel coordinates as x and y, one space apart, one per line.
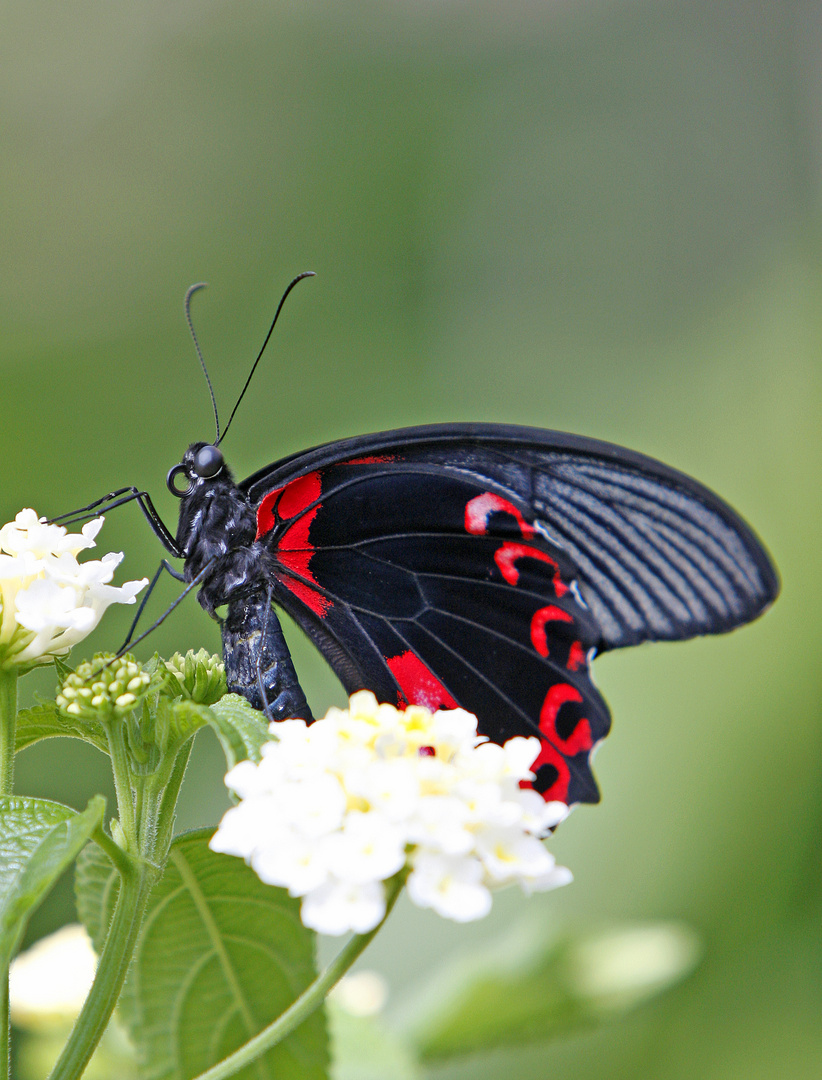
96 884
240 729
219 958
45 721
38 840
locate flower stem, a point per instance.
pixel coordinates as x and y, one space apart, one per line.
121 772
135 887
8 724
307 1003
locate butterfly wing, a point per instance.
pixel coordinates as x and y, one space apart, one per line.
480 565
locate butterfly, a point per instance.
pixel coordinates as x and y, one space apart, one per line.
479 566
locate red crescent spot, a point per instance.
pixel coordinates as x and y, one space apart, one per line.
576 657
580 738
377 459
539 638
478 510
507 555
558 791
419 685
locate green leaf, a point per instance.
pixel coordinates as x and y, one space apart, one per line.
174 722
45 721
38 840
96 884
533 987
240 729
219 958
62 669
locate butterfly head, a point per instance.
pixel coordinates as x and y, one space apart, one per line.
202 463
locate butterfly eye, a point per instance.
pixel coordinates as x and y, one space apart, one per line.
207 461
178 470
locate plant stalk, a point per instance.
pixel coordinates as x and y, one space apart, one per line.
8 725
111 972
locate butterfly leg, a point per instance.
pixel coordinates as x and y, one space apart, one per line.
119 498
258 664
164 565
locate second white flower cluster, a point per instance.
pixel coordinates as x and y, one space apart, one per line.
48 600
335 809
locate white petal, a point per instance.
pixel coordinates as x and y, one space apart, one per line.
313 805
338 907
291 861
368 848
509 853
451 886
551 879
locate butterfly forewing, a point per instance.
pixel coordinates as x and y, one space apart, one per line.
479 566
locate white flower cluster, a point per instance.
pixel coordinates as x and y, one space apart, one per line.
48 600
335 809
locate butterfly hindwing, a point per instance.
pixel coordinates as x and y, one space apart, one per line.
479 566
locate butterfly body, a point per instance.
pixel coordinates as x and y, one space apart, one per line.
216 533
479 566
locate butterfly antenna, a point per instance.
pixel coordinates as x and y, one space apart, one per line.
299 277
187 304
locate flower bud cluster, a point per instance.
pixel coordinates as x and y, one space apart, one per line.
335 809
101 689
48 600
199 676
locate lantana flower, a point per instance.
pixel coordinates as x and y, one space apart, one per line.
48 600
335 809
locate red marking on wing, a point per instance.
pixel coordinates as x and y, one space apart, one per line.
580 738
549 755
294 548
376 459
294 551
266 515
539 638
509 553
576 656
554 746
478 510
286 502
419 685
299 494
318 603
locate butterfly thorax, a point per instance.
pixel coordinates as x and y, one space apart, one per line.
217 526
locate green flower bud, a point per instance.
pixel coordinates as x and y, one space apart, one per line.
116 689
199 676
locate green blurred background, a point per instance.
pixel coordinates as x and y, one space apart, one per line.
597 217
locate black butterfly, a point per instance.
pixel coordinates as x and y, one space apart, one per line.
471 565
